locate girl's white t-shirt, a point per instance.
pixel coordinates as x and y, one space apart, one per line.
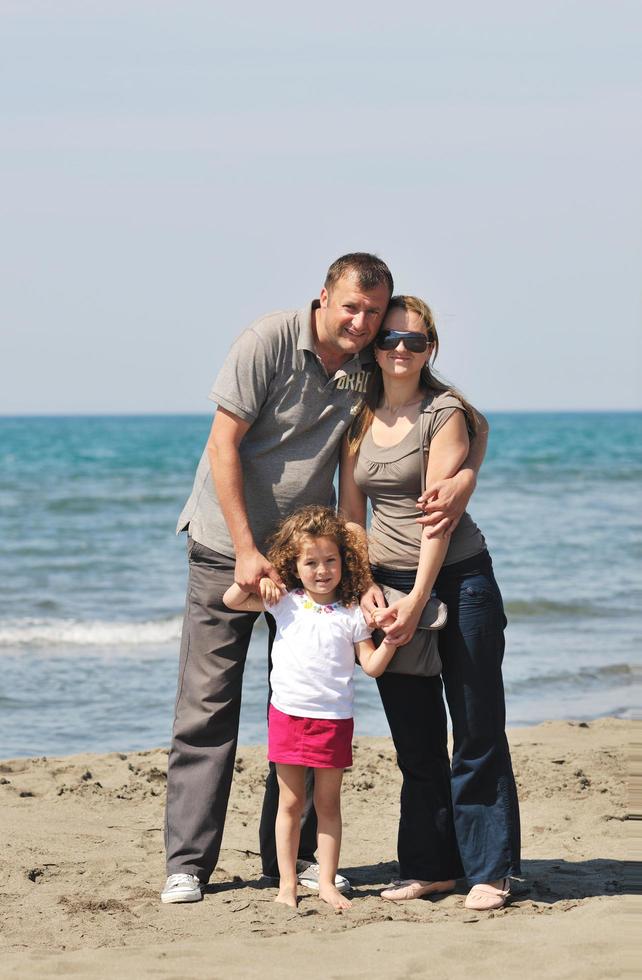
313 656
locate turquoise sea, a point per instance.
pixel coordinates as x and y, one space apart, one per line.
92 576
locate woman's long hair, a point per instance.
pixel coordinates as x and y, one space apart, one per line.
429 382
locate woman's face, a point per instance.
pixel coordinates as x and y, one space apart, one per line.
401 362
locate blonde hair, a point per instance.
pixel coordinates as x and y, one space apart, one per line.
429 381
284 548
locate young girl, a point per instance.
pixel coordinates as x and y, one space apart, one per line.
320 630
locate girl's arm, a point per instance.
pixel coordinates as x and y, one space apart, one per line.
238 598
374 660
448 450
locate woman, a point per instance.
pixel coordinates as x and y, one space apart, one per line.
465 821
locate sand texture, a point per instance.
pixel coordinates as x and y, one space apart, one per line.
83 864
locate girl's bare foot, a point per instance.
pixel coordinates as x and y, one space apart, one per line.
334 897
287 896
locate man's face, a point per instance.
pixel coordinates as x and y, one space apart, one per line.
352 315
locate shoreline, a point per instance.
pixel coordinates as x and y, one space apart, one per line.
84 867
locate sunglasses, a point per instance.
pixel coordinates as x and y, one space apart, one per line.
389 339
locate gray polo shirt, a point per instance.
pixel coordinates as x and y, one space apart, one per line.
273 379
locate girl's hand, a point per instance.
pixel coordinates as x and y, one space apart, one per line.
372 601
399 621
270 591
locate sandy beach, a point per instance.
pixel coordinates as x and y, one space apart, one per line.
83 865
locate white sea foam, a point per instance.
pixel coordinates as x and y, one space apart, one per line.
72 632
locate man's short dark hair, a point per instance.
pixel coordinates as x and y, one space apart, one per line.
370 270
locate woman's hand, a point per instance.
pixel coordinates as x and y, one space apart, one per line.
444 501
400 619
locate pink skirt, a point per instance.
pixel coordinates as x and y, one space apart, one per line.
321 743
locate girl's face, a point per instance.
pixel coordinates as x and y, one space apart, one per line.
319 568
400 362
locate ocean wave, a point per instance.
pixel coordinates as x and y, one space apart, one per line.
530 608
606 674
95 504
72 632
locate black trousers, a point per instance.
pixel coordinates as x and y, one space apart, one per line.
479 830
426 841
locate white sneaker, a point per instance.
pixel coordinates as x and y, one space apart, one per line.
308 876
181 888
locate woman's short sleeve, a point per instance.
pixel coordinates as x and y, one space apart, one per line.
441 408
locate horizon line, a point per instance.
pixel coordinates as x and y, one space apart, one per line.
204 414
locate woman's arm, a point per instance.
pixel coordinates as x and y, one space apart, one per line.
401 618
374 660
352 500
448 450
352 507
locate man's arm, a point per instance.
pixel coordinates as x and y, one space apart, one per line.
227 473
444 501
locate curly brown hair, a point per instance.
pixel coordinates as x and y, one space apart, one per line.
320 522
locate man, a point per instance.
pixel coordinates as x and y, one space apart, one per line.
285 395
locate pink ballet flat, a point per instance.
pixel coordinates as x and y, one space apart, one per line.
411 888
485 898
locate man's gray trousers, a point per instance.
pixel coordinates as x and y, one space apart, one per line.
201 760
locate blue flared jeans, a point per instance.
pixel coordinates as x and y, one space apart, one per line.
461 818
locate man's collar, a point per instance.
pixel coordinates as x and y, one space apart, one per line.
306 333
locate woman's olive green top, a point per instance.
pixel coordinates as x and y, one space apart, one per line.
391 478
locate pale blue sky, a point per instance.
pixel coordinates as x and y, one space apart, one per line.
171 170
